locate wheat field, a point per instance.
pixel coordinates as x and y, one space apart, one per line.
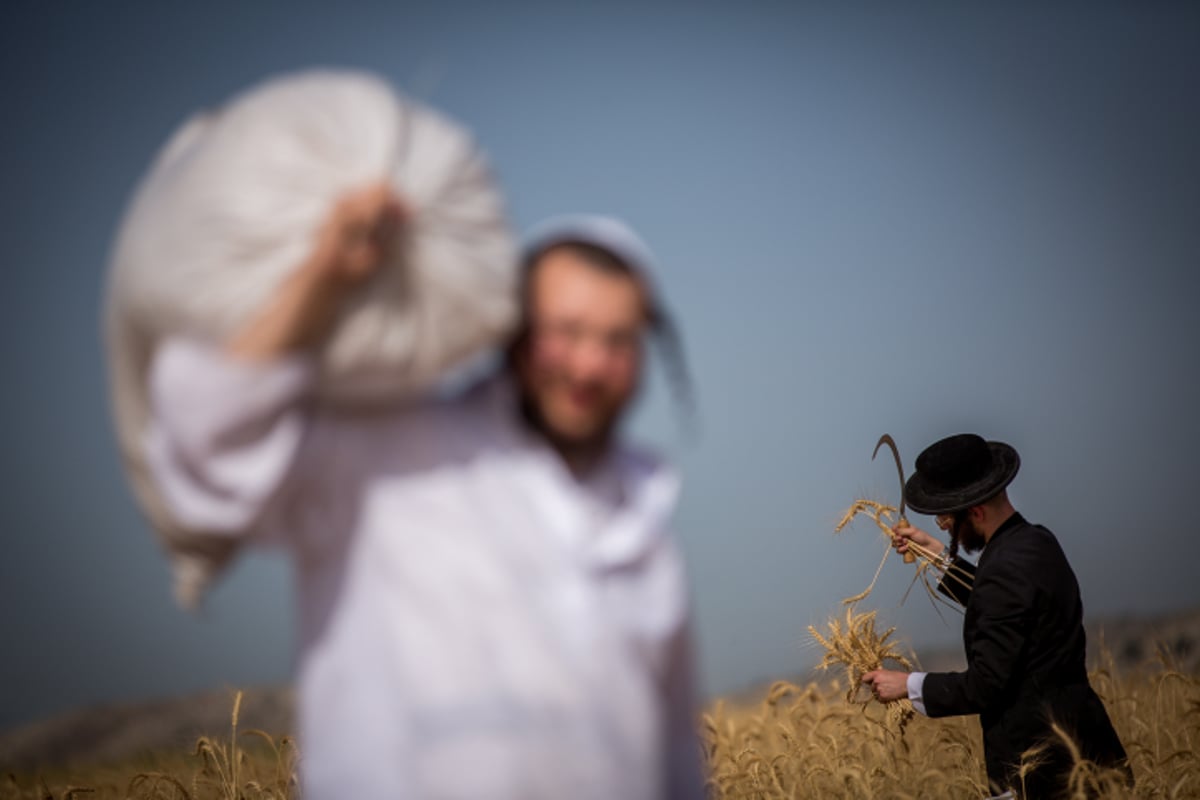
796 741
810 741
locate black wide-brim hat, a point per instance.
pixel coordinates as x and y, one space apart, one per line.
958 472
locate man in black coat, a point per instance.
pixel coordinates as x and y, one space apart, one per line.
1023 627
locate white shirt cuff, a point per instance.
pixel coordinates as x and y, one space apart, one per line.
916 685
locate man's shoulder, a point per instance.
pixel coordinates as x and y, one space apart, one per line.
1032 536
1025 550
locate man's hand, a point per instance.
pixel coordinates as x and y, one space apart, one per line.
906 534
353 241
358 233
887 684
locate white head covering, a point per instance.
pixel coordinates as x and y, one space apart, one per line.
598 230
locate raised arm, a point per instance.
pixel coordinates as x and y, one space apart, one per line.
957 575
348 250
229 420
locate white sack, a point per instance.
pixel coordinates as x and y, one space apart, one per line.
232 204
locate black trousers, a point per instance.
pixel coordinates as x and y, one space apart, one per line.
1079 712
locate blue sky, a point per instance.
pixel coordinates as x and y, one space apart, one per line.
920 220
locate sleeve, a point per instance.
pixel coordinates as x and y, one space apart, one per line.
225 436
916 691
1004 604
956 583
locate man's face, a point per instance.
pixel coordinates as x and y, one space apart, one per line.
580 365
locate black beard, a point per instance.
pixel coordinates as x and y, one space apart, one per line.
578 451
967 535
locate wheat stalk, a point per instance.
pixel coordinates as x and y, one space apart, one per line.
792 741
884 517
859 648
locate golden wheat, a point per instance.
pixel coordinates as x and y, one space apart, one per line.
797 741
806 741
215 770
929 569
858 648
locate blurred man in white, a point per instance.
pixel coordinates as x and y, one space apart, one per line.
491 605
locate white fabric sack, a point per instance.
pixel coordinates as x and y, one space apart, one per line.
233 203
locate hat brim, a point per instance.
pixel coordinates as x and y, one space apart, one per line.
924 500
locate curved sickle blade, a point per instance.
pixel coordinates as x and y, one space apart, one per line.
887 439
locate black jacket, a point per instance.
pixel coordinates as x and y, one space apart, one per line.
1025 647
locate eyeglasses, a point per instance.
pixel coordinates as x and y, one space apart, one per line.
950 522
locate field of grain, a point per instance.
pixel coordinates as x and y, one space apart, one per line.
795 742
809 741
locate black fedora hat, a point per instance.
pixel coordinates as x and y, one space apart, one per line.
959 472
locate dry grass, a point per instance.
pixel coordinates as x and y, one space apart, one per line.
250 765
796 742
807 741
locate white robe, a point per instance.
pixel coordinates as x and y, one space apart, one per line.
474 622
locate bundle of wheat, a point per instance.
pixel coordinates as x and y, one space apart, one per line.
859 648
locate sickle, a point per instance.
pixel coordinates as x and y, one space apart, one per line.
909 557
